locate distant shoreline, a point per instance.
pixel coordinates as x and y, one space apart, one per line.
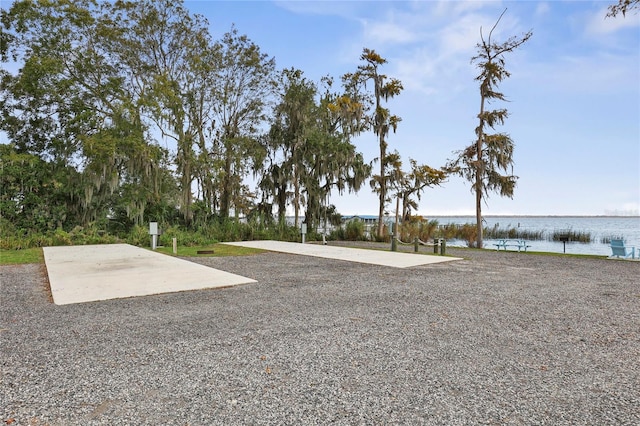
535 215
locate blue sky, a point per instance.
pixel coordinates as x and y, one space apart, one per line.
574 90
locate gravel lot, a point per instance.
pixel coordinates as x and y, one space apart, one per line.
496 338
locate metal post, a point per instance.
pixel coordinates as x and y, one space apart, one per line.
394 246
153 231
415 244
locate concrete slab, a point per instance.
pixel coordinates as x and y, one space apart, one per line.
374 257
100 272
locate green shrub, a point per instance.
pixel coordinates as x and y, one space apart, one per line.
139 236
337 234
354 230
469 233
450 231
424 230
61 238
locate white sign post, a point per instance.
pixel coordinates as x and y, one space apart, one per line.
303 231
153 231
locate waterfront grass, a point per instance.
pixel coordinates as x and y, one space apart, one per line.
571 235
467 232
607 240
497 233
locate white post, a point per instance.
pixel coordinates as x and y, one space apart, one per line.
153 230
175 245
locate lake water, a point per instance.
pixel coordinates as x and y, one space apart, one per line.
599 227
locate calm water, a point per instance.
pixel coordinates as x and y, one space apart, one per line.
599 227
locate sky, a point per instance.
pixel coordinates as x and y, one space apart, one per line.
574 91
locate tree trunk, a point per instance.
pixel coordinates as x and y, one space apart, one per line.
479 218
296 195
382 186
479 170
225 195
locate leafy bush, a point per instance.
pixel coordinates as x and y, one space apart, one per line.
469 233
354 230
450 231
424 230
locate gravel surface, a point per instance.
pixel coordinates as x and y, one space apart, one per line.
496 338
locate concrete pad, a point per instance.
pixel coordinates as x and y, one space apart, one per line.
100 272
374 257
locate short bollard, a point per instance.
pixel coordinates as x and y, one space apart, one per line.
435 245
415 244
443 245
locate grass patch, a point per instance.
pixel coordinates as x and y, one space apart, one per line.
219 250
35 255
21 257
554 254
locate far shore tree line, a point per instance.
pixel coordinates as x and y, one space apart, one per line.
102 86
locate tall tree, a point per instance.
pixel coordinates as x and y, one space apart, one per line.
381 120
332 162
161 45
242 85
293 122
487 163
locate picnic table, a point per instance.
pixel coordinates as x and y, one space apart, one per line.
504 244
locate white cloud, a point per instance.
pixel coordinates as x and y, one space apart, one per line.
427 45
387 33
448 8
460 36
542 9
602 73
597 24
335 8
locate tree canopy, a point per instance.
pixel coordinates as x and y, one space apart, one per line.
128 111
